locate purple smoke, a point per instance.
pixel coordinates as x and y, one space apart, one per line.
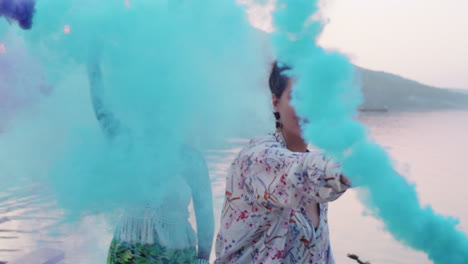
19 10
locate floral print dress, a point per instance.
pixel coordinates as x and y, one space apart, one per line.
160 232
264 218
156 234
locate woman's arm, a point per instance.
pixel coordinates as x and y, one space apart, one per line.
107 120
279 177
199 180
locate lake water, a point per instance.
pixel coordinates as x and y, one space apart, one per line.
429 148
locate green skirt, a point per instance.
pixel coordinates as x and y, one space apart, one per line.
129 253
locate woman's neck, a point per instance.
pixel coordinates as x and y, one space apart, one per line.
293 142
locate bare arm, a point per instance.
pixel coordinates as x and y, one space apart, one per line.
198 178
109 123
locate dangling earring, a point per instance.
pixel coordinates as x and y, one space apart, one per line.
278 122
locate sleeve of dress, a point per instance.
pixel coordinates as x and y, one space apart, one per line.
282 178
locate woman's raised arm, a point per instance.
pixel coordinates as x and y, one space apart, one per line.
109 123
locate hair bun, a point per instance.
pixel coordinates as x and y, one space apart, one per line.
278 81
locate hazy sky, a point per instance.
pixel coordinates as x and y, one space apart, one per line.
424 40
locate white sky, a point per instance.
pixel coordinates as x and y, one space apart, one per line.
424 40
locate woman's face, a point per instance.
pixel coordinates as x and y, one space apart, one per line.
288 117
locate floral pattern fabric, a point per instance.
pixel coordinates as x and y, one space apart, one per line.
264 217
140 253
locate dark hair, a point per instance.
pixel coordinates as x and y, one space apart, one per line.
278 81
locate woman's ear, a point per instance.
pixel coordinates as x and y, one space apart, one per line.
275 102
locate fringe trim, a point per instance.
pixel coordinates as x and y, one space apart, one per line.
152 230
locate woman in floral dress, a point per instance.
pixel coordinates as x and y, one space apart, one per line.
275 207
160 234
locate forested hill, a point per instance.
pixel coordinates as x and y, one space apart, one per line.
385 91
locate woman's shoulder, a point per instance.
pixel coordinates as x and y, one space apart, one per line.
191 155
265 139
261 144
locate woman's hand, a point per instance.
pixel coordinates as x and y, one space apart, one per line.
345 180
